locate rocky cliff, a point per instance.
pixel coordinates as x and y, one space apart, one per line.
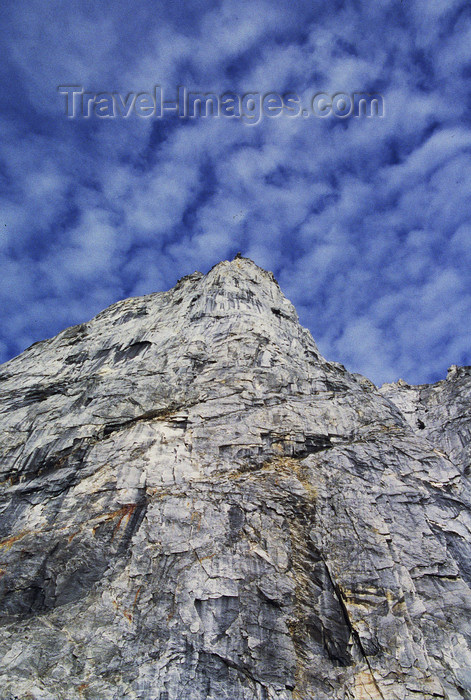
196 504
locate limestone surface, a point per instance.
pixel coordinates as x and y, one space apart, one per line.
195 504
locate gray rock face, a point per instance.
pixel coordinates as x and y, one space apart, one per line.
195 504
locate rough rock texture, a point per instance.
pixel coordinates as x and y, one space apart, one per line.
195 504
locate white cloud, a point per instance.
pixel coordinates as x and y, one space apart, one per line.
365 222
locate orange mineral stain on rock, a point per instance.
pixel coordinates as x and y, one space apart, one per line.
10 541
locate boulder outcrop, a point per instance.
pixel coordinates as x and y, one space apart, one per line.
195 504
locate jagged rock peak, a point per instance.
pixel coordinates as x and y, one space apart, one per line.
195 504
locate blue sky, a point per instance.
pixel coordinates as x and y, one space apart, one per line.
366 223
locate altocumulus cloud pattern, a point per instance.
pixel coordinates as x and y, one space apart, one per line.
365 222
